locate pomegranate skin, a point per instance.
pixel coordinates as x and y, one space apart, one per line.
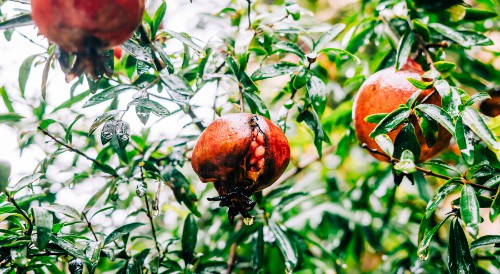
223 153
383 92
77 25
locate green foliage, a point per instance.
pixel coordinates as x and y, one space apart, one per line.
335 208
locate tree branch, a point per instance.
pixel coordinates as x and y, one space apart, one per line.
232 252
45 132
89 225
150 216
10 198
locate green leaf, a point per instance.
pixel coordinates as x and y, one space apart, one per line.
256 104
258 249
423 246
485 240
288 47
439 115
413 99
407 140
152 106
97 195
24 72
465 39
442 165
19 21
102 119
375 118
69 137
445 68
73 100
117 233
420 84
472 119
189 238
185 39
286 246
422 30
341 52
459 257
391 121
63 209
465 141
385 143
108 131
313 122
6 100
158 18
495 207
316 89
183 191
406 164
480 96
177 87
429 127
107 94
122 133
25 181
438 197
469 209
10 117
404 49
472 14
4 175
274 70
139 52
328 36
67 246
43 223
241 46
452 102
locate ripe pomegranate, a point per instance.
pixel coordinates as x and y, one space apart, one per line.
241 154
383 92
87 27
78 24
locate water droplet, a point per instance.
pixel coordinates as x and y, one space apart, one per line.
156 212
141 190
71 185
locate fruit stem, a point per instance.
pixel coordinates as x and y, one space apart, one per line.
89 225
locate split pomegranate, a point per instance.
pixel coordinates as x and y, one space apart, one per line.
383 92
78 25
241 154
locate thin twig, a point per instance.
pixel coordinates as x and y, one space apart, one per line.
150 216
242 103
89 225
427 172
45 132
232 252
23 213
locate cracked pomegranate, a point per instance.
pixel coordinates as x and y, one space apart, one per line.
383 92
241 154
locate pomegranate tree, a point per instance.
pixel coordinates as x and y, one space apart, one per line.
241 154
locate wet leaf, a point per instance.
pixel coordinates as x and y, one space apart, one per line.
286 246
43 224
4 175
459 257
108 131
485 240
469 209
189 238
117 233
19 21
274 70
328 36
122 133
465 141
404 49
439 115
472 119
25 181
102 119
391 121
318 93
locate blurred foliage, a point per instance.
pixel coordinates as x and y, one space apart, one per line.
335 210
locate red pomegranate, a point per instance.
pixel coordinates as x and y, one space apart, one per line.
77 25
241 154
383 92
